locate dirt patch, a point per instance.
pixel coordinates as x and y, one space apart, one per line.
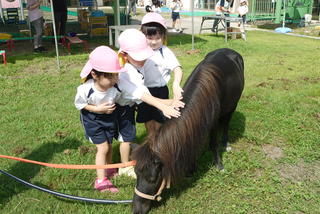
272 152
262 84
85 149
301 171
195 51
19 150
61 134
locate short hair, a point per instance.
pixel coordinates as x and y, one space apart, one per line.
153 28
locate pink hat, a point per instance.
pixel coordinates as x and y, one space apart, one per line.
134 42
154 17
102 59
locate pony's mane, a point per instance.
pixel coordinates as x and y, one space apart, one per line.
178 141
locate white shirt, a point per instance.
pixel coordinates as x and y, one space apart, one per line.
87 94
159 67
35 13
131 84
176 6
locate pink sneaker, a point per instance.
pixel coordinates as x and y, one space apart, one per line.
112 173
105 185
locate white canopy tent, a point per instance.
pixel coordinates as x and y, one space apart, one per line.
19 4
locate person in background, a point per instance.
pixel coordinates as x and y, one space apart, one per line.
60 9
176 7
96 99
156 6
222 7
243 10
36 20
132 7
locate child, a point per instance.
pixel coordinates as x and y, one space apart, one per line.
176 6
156 6
159 68
243 10
135 51
95 100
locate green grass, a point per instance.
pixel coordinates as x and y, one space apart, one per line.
273 166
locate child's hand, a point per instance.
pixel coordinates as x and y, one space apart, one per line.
170 111
177 104
106 108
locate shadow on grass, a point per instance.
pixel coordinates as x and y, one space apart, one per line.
205 161
27 171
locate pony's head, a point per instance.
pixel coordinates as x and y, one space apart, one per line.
150 178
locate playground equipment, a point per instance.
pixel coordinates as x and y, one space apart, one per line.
293 10
283 29
269 9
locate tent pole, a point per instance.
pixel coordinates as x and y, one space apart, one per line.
21 10
1 13
192 18
55 35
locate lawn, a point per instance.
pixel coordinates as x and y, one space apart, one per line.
273 167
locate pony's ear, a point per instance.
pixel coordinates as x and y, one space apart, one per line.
134 146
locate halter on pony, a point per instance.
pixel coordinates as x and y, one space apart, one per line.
157 196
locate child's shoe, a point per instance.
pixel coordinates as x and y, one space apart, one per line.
112 173
105 185
129 171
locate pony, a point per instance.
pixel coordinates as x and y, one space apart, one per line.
211 95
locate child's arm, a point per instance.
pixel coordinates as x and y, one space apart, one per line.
104 108
177 90
169 108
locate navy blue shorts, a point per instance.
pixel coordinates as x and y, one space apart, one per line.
147 112
126 123
99 128
175 16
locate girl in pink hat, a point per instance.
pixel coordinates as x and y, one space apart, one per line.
135 51
95 99
159 68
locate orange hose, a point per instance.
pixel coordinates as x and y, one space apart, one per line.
69 166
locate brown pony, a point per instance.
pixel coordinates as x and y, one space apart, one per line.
211 95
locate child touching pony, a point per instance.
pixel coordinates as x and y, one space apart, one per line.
158 67
95 100
135 52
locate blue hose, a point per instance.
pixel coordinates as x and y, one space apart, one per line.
92 200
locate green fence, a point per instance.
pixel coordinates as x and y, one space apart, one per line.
274 10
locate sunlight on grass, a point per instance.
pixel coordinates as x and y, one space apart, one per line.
278 112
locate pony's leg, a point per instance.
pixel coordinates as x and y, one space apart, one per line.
224 123
214 146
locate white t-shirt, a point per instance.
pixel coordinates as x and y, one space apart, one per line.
243 8
131 84
176 6
159 67
87 94
35 13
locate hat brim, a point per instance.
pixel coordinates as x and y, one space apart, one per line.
88 68
141 55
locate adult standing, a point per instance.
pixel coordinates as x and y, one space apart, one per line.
36 19
132 7
222 7
60 9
